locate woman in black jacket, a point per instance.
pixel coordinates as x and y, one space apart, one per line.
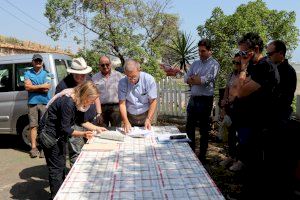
62 114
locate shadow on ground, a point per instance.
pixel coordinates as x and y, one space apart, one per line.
34 184
9 141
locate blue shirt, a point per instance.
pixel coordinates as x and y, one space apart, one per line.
38 78
207 70
138 96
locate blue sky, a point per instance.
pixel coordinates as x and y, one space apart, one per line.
33 25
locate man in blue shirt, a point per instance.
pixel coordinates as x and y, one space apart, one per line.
201 77
37 83
137 97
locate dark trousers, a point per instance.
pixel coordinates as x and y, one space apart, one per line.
269 163
232 141
199 111
56 162
111 114
232 137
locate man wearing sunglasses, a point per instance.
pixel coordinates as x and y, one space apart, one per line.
276 51
107 81
37 83
285 148
255 114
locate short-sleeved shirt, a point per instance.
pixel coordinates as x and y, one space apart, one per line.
62 114
138 96
108 87
38 78
207 70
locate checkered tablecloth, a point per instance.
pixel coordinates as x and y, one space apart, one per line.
139 168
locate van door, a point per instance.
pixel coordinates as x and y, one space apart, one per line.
6 97
20 107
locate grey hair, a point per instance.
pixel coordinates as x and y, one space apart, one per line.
130 65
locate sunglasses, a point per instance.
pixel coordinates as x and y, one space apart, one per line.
243 53
104 65
38 60
270 53
236 62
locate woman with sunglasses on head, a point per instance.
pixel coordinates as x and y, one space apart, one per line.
56 124
227 107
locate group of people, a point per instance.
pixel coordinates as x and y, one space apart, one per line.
257 101
256 107
82 106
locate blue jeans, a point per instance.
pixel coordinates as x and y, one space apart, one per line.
75 145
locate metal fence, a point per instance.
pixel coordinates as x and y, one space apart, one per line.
173 96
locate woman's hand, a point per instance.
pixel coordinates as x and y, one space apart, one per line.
100 129
88 134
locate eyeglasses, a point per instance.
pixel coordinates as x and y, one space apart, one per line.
105 65
271 53
134 78
243 53
236 62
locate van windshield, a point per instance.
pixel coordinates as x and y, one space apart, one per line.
61 69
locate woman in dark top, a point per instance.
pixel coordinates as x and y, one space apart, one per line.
58 121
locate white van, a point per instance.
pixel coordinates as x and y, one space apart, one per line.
13 96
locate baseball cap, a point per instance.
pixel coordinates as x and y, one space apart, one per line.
37 56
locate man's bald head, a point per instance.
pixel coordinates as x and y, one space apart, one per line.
131 65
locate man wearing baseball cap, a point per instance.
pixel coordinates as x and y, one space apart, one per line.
78 73
37 83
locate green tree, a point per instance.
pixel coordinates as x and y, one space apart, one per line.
225 31
183 49
125 28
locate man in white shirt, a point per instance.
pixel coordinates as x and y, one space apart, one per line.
137 97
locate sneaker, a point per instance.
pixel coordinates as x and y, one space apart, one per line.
42 154
34 153
237 166
228 161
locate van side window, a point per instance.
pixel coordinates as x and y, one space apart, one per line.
61 69
21 68
69 63
6 78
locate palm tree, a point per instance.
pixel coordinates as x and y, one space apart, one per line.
183 49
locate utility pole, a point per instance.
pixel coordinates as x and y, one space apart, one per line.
84 29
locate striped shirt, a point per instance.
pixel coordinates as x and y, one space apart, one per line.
108 87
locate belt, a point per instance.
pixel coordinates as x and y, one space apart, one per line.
202 97
110 104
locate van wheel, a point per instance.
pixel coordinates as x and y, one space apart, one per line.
23 130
